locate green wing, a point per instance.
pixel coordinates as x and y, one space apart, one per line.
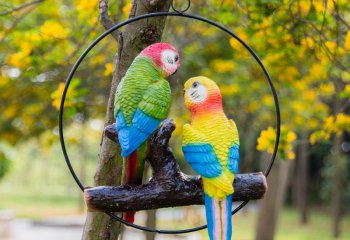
138 80
156 100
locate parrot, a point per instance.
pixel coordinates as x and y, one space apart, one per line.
211 146
142 101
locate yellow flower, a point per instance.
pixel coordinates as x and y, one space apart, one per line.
310 95
227 90
304 7
298 106
307 42
265 138
319 7
327 88
301 8
290 74
300 85
291 136
56 96
266 142
51 29
268 100
329 122
108 69
10 112
207 72
342 122
345 76
291 155
312 123
87 6
229 3
126 9
235 44
331 45
318 71
347 89
313 139
252 107
347 41
274 57
98 59
3 80
222 66
26 47
19 59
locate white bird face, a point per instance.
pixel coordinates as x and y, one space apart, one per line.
197 92
170 62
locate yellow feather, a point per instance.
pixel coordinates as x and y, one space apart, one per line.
221 133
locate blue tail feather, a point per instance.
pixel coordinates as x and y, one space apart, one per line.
141 127
219 219
209 212
229 217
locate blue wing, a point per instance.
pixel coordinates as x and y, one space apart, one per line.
131 137
202 159
233 158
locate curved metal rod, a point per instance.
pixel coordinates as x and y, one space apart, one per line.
181 11
150 15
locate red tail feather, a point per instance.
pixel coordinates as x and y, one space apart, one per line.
131 178
129 216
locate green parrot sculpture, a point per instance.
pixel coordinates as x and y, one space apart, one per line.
142 101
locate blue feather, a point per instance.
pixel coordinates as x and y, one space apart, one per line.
229 217
219 220
210 215
131 137
202 159
233 158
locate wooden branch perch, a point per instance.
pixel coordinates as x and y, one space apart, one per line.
169 187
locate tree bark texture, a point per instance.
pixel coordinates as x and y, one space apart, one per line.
336 158
151 223
169 187
336 186
302 179
131 40
273 201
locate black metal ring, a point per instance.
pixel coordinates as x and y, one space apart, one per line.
181 11
150 15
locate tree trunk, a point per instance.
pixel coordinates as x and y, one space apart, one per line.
273 201
132 40
336 186
82 168
151 220
302 178
336 158
151 223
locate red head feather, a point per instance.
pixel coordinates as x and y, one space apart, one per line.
164 56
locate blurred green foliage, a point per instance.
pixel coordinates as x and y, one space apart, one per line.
4 165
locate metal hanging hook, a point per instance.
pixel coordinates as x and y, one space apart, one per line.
181 11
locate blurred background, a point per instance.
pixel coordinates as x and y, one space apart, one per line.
305 45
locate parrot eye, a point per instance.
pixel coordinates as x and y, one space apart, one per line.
176 58
195 84
170 60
